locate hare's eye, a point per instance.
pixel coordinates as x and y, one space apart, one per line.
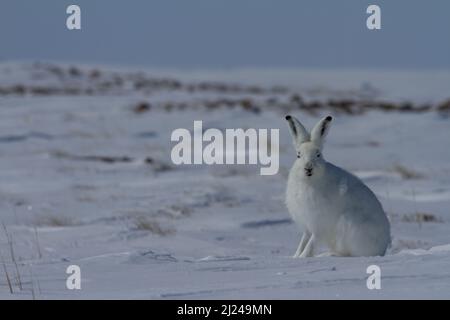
318 155
299 155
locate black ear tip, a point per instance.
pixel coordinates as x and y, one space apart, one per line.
288 117
329 118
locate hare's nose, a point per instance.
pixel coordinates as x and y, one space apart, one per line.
309 165
308 168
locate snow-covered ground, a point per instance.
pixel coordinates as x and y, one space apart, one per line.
86 179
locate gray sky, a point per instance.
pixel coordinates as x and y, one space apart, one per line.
229 33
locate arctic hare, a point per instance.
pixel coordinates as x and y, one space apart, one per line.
332 206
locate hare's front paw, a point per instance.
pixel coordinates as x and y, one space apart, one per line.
308 251
301 246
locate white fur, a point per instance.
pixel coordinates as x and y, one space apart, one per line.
332 206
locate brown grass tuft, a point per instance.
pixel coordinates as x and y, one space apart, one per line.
407 173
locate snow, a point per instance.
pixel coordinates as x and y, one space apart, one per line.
86 180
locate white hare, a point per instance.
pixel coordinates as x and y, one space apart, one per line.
332 206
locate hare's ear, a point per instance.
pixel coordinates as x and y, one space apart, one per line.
298 131
320 131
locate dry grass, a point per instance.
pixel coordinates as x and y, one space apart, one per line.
13 257
55 221
421 217
8 278
158 165
145 224
406 173
142 107
175 211
409 244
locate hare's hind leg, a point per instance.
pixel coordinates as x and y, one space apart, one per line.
301 246
309 248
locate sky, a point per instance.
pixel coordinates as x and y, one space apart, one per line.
415 34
